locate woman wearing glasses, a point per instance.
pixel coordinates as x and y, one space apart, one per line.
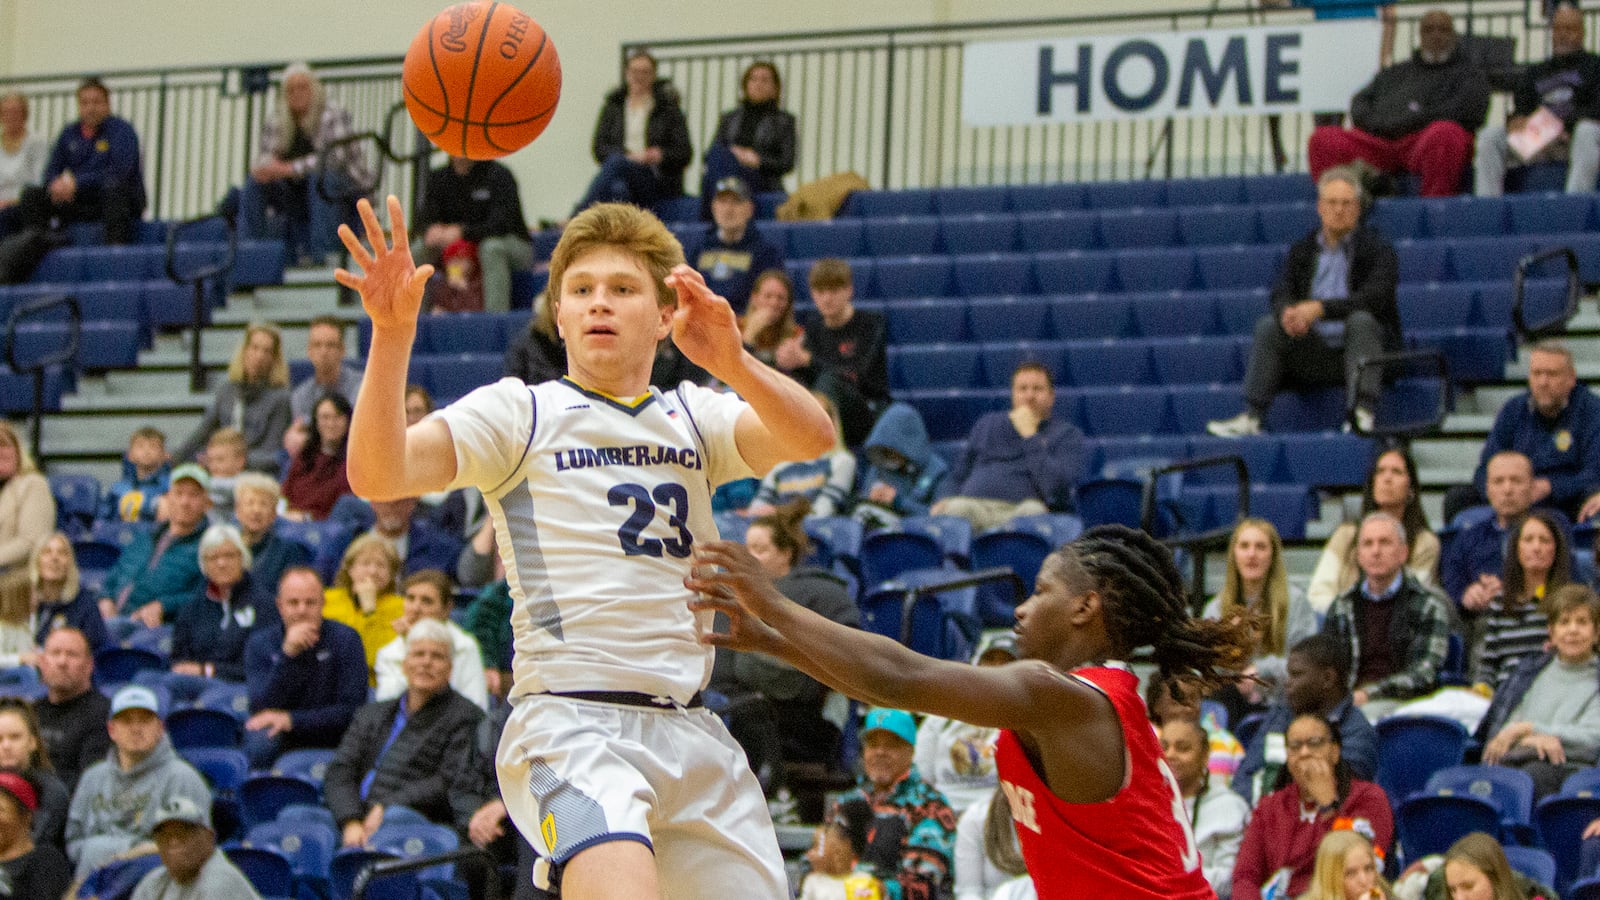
1316 794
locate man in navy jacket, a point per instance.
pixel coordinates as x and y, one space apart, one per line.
94 173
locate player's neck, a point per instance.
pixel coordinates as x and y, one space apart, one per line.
624 389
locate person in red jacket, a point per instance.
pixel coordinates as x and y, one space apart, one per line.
1316 795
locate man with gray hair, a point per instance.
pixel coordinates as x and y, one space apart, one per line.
1333 306
1397 630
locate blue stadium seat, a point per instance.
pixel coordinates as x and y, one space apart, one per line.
678 209
1122 455
950 201
908 236
953 534
1549 213
1195 360
308 846
910 276
1286 506
1164 269
109 345
1465 216
110 301
1284 223
1073 271
1262 455
183 688
455 375
1224 268
1173 313
1058 196
1108 362
1488 258
1279 188
905 202
1560 821
1435 304
1326 458
310 764
1055 230
1430 823
1238 310
1532 862
466 333
935 319
935 366
1004 319
889 553
1398 218
1093 316
979 233
166 304
1001 359
837 539
1309 410
1055 528
63 265
1587 246
117 665
993 273
1106 501
77 502
199 727
1122 229
1475 355
1509 789
1126 194
1412 748
950 413
348 863
1023 552
1125 410
1218 226
1225 190
261 797
224 768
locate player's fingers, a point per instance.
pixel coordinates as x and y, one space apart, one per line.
353 244
397 224
369 219
420 277
349 279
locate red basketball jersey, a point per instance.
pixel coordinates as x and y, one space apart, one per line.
1138 844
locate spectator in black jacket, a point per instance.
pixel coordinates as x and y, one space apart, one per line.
844 353
641 140
476 202
1416 116
209 635
1566 87
1333 306
418 750
72 714
732 252
755 140
536 354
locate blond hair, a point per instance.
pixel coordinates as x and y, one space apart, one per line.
356 550
1327 877
621 226
1274 616
25 461
279 376
71 584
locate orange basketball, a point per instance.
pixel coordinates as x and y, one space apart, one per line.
482 79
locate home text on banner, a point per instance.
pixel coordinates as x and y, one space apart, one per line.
1309 67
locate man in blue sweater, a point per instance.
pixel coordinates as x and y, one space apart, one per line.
307 676
94 173
1016 463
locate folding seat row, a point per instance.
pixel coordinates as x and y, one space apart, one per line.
449 376
468 332
1410 218
1151 314
101 344
1081 195
1324 459
1105 362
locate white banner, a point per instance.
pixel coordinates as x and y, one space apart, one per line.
1310 67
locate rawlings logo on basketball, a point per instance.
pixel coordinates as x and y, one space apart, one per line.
461 18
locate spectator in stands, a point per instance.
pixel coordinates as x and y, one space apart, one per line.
254 399
316 478
732 253
191 864
116 802
489 623
477 203
1469 570
905 473
418 403
536 354
488 830
418 542
1316 793
16 598
22 752
31 868
641 140
59 599
135 497
1166 699
307 675
330 374
1397 631
1415 116
1016 463
1556 425
775 710
210 633
987 855
1317 684
364 594
844 353
1256 584
1347 869
416 750
833 863
157 573
1564 90
94 173
825 482
1391 487
27 508
1476 866
1333 306
755 141
768 321
1216 815
224 461
1514 623
1544 719
429 596
22 158
957 759
72 714
297 167
906 808
255 505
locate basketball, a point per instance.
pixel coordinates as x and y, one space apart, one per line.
481 79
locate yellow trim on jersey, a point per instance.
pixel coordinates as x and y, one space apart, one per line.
633 405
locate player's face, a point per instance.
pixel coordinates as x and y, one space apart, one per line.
1252 553
885 758
1360 871
609 317
1042 622
1466 881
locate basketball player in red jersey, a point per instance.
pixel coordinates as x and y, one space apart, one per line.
1098 812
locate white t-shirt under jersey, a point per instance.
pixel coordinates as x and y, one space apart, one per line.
597 504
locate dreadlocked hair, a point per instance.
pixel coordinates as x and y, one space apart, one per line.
1145 604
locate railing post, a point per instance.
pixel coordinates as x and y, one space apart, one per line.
888 114
156 209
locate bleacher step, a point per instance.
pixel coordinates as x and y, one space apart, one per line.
105 433
105 471
153 385
217 346
291 300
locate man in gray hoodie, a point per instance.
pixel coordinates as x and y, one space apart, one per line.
116 803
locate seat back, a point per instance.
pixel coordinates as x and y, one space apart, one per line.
310 764
1412 748
199 727
1509 789
267 870
308 846
886 554
117 665
261 797
223 767
1561 822
1532 862
347 864
1430 824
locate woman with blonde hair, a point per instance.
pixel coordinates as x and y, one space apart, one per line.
1347 869
254 399
1257 584
23 155
27 508
365 593
1476 868
16 600
59 598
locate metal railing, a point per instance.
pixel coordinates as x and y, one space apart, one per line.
39 366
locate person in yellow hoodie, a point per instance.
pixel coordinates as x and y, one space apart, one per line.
364 594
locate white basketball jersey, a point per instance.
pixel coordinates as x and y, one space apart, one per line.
597 505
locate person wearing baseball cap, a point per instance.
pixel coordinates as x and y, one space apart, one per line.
118 798
732 252
28 869
159 572
191 864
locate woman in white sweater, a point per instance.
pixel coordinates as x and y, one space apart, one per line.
1391 488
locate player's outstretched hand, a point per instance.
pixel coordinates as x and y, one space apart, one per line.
704 326
391 284
727 579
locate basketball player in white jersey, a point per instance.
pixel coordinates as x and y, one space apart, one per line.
599 487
